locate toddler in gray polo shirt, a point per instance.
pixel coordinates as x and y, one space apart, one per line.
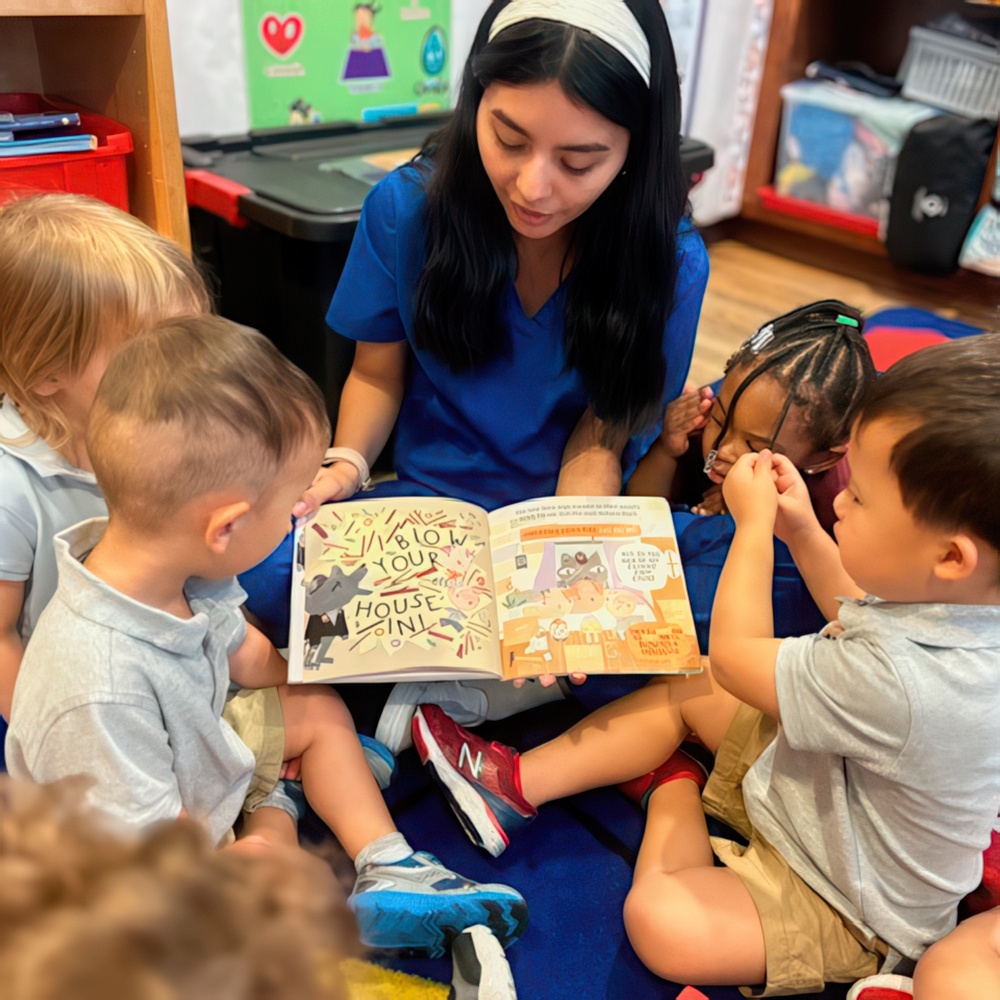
203 437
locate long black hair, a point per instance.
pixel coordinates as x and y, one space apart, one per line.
624 252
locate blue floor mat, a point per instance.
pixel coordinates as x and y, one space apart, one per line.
573 864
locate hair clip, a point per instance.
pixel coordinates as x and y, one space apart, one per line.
761 338
847 321
710 460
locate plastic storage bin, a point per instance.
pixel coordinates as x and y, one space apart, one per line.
951 73
272 216
100 172
837 151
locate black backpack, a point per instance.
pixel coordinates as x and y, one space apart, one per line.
939 175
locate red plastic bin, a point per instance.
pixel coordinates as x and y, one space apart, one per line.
100 172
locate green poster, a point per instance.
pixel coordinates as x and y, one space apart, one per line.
326 60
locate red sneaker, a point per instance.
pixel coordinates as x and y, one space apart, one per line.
689 760
885 987
480 780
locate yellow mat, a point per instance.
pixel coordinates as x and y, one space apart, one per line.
367 981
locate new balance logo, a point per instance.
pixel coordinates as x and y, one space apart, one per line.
475 765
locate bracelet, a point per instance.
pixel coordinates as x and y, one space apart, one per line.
355 458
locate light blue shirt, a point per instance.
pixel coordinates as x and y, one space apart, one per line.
41 494
883 785
132 697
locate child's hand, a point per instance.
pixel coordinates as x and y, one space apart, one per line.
795 509
711 502
749 490
339 481
683 416
291 770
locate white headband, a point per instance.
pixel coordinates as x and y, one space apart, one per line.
610 20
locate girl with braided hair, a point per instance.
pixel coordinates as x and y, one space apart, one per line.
791 387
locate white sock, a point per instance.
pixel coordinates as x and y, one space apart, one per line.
386 850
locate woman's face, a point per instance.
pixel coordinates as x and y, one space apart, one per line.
547 158
756 424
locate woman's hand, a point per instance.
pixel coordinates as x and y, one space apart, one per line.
547 680
684 416
339 481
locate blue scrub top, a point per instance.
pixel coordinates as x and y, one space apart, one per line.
493 435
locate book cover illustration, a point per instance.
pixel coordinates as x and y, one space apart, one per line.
430 588
393 588
591 585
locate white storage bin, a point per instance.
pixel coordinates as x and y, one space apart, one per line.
951 73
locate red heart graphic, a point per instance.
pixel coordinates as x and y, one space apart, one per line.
281 36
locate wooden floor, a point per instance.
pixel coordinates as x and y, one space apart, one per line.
748 286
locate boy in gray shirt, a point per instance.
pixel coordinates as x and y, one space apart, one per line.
203 437
862 764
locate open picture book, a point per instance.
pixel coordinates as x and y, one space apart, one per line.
426 588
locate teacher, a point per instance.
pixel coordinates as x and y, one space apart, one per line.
524 294
532 272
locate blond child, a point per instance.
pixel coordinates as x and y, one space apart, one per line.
790 387
92 911
78 278
862 763
203 437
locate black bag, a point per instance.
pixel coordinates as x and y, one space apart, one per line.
939 175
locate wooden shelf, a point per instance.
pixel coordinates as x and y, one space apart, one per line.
112 58
876 34
74 8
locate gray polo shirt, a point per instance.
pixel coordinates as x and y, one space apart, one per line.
132 696
41 494
883 784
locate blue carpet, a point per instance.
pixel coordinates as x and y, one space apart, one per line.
573 864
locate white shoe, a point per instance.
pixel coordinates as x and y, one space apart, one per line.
466 705
885 987
480 968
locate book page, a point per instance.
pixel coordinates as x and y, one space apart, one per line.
591 585
393 589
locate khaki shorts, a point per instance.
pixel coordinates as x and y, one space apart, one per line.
257 718
807 942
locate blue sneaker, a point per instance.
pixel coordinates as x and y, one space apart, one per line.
380 760
418 904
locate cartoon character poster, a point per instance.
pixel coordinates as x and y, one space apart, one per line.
362 60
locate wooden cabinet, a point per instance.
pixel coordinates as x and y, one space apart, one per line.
112 58
875 33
